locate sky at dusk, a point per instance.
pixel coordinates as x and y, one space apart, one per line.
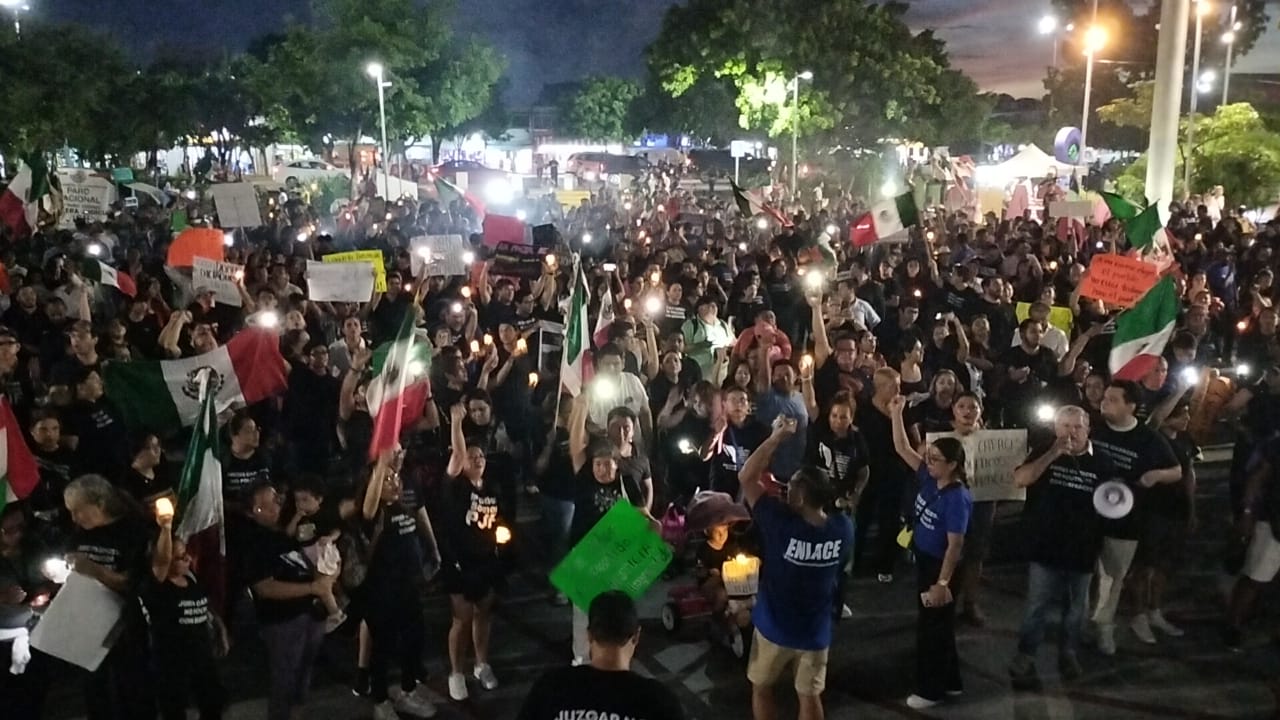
547 41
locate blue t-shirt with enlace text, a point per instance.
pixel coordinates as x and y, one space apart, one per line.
938 513
799 566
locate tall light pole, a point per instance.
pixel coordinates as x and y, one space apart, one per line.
1049 26
17 7
375 72
1229 37
1095 38
795 126
1201 9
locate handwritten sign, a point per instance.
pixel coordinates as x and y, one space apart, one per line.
340 282
236 204
85 196
369 256
220 277
444 254
518 260
990 457
622 552
1118 279
1059 317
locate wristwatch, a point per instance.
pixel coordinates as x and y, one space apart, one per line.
943 582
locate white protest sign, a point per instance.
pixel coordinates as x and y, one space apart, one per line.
1071 209
340 282
990 458
443 254
84 196
236 204
220 277
77 626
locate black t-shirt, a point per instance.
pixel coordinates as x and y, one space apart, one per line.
387 317
145 489
686 470
144 334
271 554
397 549
1064 529
178 616
102 442
841 457
830 379
56 468
1169 500
738 444
558 481
591 500
311 408
1133 453
241 474
635 469
585 692
120 546
473 514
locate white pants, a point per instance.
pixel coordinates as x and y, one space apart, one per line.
581 649
1113 565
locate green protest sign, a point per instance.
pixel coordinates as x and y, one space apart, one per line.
178 222
122 175
622 552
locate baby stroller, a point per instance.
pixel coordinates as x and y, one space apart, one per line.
727 576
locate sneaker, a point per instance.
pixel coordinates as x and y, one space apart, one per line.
1142 629
1022 673
485 675
412 704
915 702
1069 666
458 686
885 579
1107 639
577 661
1159 622
385 711
360 687
846 612
334 621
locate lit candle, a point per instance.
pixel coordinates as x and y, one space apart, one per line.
502 534
488 339
164 507
521 345
475 347
533 379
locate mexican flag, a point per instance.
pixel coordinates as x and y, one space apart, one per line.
885 220
160 395
200 485
1143 229
447 192
18 473
100 272
20 202
606 317
1143 331
575 337
751 204
400 388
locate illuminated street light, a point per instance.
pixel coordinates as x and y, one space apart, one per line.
1229 37
795 125
17 7
375 71
1048 24
1202 8
1095 38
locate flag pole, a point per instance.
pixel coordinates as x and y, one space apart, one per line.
564 345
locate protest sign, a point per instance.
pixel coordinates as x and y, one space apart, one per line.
622 552
990 457
220 277
500 229
369 256
78 625
1071 208
1118 279
340 281
445 254
236 205
84 196
1059 317
518 260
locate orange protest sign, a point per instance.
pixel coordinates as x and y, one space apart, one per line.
193 243
1118 279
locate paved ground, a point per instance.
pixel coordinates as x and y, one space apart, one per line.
871 663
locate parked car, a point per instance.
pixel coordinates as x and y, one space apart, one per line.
301 172
711 163
592 166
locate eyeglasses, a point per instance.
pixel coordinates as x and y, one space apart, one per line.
935 459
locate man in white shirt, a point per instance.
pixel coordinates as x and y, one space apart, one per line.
611 388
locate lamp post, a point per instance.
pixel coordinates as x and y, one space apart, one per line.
795 127
1048 25
18 7
1201 9
1229 37
375 71
1094 40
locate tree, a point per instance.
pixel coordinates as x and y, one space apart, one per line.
706 110
601 109
872 77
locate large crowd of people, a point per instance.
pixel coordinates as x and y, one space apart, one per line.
737 362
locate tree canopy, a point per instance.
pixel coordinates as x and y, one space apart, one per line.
601 109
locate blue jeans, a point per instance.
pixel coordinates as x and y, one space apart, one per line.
1047 586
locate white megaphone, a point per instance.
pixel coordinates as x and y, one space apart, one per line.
1113 499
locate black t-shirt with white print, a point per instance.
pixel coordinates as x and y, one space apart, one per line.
1133 452
592 499
1064 529
473 518
178 616
582 693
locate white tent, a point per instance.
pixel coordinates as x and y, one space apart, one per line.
1031 162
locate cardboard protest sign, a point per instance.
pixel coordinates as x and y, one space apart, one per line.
220 277
236 204
340 281
445 254
518 260
990 457
622 552
369 256
1059 317
77 626
1071 208
1118 279
85 196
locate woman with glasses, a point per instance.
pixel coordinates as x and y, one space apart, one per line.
940 518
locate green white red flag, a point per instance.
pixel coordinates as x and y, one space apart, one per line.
576 334
400 388
1143 331
18 472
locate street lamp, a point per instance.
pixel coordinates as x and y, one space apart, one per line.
1229 37
1202 8
18 7
1095 38
795 126
1049 26
375 71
